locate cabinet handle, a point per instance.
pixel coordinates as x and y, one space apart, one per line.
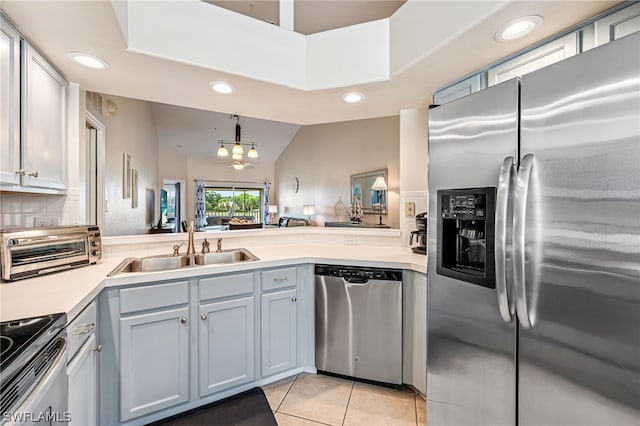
98 348
21 172
34 174
293 299
203 317
280 279
184 320
87 329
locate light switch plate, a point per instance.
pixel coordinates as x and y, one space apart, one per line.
409 208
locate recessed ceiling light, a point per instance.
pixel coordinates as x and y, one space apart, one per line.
222 87
352 97
518 28
87 60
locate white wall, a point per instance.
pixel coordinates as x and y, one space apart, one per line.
130 130
324 156
413 166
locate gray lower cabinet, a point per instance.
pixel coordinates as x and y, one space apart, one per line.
226 332
279 331
154 357
83 385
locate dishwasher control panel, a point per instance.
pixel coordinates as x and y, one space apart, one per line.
359 272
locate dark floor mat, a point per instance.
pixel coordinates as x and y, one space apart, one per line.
249 408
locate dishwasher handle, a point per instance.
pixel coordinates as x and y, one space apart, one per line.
356 280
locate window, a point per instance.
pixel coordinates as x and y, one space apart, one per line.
233 201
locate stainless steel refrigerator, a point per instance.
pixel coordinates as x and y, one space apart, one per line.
534 247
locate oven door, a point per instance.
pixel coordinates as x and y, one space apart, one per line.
47 403
37 255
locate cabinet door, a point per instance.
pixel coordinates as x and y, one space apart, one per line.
458 90
44 122
154 362
83 385
226 345
9 103
279 330
617 25
550 53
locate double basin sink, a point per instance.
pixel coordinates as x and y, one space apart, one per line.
170 262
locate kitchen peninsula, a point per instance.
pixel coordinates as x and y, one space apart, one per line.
194 293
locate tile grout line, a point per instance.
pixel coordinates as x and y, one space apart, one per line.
304 418
344 418
287 393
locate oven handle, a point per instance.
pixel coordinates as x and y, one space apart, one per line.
17 243
45 383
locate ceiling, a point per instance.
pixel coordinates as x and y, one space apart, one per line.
314 16
195 132
57 27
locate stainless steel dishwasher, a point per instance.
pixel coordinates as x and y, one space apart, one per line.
359 322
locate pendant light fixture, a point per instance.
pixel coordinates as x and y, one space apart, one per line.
237 150
223 151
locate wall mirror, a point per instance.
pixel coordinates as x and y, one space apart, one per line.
373 202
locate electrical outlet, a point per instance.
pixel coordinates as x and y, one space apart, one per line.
350 240
45 222
409 209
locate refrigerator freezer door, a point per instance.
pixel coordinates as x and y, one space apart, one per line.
579 364
471 349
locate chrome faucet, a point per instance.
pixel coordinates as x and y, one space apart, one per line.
219 249
191 247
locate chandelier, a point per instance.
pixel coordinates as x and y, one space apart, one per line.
237 151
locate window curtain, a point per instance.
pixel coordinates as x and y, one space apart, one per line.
201 220
267 201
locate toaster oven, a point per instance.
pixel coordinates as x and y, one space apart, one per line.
26 253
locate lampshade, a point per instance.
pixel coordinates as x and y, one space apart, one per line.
273 208
237 149
379 184
309 209
253 153
223 151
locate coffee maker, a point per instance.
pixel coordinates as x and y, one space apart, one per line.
420 234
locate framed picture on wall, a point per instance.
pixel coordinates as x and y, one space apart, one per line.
126 176
134 189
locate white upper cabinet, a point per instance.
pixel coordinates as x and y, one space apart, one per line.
548 54
617 25
44 122
9 103
458 90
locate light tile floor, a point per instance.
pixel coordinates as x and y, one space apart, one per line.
310 399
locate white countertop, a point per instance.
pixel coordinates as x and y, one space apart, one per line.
70 291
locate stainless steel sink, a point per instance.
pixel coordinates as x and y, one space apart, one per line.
225 256
169 262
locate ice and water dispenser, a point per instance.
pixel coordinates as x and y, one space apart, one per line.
466 235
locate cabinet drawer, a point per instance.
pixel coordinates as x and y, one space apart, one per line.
278 278
229 285
81 328
154 296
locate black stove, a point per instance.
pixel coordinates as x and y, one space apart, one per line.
21 339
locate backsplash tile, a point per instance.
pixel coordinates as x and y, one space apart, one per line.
11 203
33 204
21 210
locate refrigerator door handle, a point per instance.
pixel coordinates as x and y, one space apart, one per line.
519 225
503 238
